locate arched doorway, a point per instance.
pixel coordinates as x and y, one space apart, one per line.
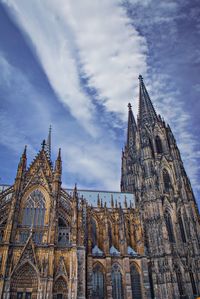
60 288
24 283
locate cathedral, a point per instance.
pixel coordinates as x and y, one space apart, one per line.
140 243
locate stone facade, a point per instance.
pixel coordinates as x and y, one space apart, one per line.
153 170
55 244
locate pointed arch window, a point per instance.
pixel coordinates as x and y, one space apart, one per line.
128 232
94 232
179 282
166 180
135 282
117 287
182 229
194 288
159 147
98 282
34 210
151 280
151 148
63 232
169 226
110 234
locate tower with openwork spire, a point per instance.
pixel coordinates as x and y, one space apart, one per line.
153 170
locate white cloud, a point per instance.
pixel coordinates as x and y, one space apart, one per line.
95 39
81 154
112 52
92 37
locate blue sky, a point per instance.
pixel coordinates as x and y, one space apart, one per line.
75 64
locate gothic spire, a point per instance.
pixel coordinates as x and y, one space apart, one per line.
58 164
131 127
147 113
75 192
48 143
22 164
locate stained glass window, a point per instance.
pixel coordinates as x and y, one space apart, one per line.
94 232
34 210
63 232
110 234
159 147
117 288
169 226
179 282
98 283
135 283
182 230
166 180
194 289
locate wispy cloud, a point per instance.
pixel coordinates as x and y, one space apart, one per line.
15 105
86 47
91 39
92 53
81 154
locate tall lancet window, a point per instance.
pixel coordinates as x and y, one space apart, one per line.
135 282
63 232
182 229
109 234
169 226
179 283
159 147
117 286
94 232
194 288
34 210
151 148
166 180
98 282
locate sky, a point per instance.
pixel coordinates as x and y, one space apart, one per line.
74 65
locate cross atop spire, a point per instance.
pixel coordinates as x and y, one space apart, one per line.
147 113
131 127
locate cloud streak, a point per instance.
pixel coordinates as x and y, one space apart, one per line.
92 53
74 41
80 153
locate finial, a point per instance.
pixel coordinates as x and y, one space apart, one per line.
98 201
140 78
112 201
25 148
125 202
129 106
43 144
75 191
59 154
130 204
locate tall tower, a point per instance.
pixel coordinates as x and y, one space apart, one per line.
153 170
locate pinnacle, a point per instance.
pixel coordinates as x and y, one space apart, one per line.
147 113
131 131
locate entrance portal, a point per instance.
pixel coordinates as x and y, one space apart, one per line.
24 283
